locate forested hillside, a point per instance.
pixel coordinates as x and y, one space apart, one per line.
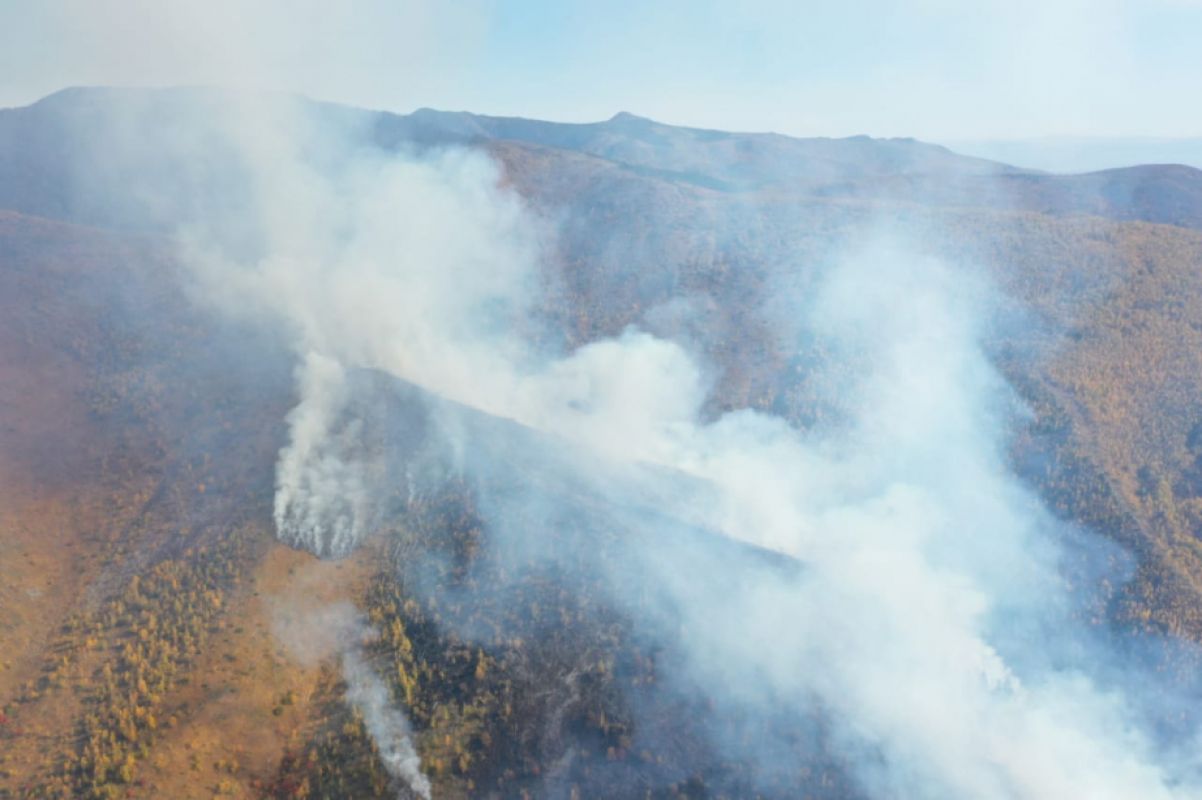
145 639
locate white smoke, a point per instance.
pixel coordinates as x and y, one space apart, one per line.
426 260
322 500
930 584
314 631
922 558
389 728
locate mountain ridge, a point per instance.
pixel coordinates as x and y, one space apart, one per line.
46 135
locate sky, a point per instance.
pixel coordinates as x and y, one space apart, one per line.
934 69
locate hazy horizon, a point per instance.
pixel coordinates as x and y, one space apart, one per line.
1056 154
877 67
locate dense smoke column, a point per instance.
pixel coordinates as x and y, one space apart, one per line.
323 495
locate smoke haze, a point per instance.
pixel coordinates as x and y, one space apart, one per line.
680 533
882 67
927 616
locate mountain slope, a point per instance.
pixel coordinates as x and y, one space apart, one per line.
139 433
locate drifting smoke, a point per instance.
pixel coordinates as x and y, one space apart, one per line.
388 727
928 617
314 631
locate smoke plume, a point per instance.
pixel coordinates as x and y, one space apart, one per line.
928 614
322 502
388 727
314 631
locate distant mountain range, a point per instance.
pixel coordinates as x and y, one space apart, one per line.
1086 154
38 143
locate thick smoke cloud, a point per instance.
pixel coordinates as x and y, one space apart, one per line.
927 615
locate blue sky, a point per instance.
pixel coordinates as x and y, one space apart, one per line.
936 69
